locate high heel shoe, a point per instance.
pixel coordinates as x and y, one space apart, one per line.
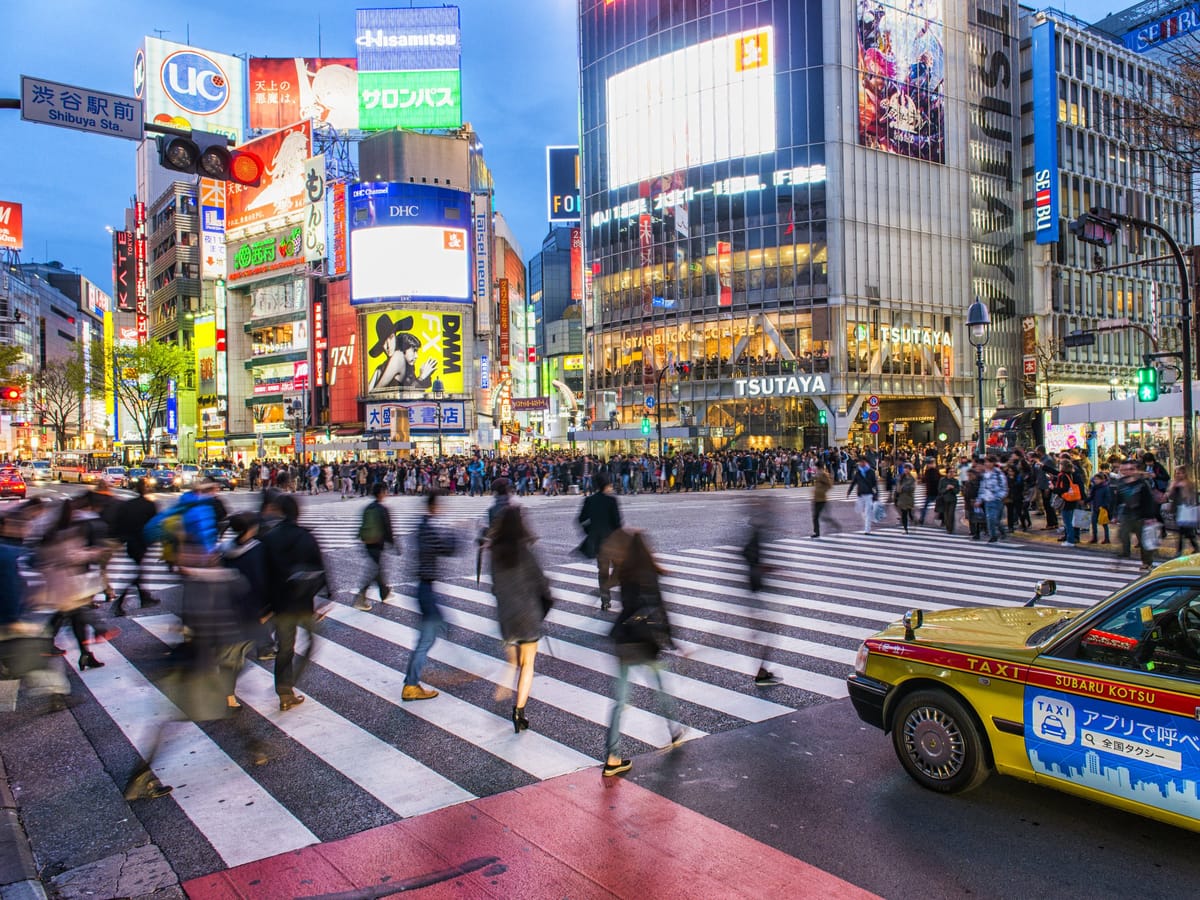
520 723
87 661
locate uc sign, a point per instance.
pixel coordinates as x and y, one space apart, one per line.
195 82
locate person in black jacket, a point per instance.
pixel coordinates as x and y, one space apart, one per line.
246 554
131 519
641 632
864 481
433 542
295 574
376 534
600 517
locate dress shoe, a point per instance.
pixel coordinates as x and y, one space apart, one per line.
416 692
87 661
520 723
287 701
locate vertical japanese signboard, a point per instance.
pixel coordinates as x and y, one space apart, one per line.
212 228
481 211
576 264
338 264
124 271
505 341
142 296
725 273
1029 357
314 217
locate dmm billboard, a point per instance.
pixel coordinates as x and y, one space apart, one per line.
409 349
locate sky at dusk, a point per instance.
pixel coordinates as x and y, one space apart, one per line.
520 92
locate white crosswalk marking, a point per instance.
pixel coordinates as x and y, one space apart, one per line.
820 599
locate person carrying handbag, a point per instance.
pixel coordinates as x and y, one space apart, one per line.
642 631
1182 496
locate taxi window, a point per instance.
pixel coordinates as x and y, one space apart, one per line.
1156 632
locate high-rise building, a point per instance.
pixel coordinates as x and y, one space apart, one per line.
800 200
555 295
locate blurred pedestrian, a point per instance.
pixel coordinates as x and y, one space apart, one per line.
600 517
753 552
1138 513
904 495
642 631
947 490
245 553
863 481
131 520
66 558
822 484
376 534
295 575
1182 497
522 601
433 542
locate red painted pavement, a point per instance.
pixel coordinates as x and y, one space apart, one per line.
577 836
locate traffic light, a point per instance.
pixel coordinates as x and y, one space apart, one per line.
685 370
645 424
1096 227
1079 339
822 417
201 153
10 394
1147 384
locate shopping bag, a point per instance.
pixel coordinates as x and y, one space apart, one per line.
1187 515
1150 539
879 511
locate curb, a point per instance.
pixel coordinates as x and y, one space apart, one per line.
18 872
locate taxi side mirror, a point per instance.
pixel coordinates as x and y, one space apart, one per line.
913 619
1046 587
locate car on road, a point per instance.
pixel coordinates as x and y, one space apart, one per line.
223 477
12 483
116 476
140 473
1100 702
165 479
36 470
187 475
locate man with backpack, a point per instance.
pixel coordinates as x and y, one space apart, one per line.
376 533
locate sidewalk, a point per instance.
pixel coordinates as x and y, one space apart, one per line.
18 872
1039 535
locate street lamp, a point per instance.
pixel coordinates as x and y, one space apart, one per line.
297 411
439 391
979 326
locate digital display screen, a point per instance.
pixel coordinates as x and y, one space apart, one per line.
703 104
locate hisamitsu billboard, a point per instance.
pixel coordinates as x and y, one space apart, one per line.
397 40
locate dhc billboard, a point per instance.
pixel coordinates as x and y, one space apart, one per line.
1045 135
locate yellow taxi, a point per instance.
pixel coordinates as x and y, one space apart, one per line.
1101 702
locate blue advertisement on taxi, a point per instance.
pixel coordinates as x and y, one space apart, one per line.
1135 753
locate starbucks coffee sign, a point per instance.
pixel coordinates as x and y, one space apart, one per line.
780 386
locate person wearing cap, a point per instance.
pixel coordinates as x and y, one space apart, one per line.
394 341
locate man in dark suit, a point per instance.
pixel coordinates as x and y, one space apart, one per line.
600 517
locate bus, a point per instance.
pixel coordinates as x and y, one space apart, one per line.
81 466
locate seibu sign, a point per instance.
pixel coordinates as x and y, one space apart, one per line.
780 386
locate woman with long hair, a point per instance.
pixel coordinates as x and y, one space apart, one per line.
1182 495
640 634
65 557
522 600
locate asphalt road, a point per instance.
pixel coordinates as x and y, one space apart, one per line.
791 766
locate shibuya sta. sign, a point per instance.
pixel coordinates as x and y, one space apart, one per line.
780 386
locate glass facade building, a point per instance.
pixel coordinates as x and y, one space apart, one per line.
798 199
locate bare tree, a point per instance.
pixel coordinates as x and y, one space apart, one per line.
58 391
143 381
1050 363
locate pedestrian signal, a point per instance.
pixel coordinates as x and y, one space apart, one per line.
822 416
1147 384
645 424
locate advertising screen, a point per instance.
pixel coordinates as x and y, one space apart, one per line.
702 104
562 184
430 98
408 242
408 349
901 78
390 40
283 91
281 190
184 87
12 236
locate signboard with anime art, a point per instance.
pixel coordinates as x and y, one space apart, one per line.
281 191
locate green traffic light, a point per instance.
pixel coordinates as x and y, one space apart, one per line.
1147 384
822 417
645 424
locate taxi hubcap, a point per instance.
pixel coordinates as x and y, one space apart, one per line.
933 741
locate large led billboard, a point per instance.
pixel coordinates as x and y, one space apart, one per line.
562 184
390 40
426 98
901 79
706 103
283 91
409 242
188 88
408 349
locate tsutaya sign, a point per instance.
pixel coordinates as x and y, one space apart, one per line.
925 337
780 386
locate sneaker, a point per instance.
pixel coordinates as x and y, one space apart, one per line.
1068 544
416 692
765 678
611 769
361 602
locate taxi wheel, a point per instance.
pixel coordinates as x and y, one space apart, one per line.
938 742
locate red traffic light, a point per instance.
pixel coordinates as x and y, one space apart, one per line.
10 394
245 168
685 369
